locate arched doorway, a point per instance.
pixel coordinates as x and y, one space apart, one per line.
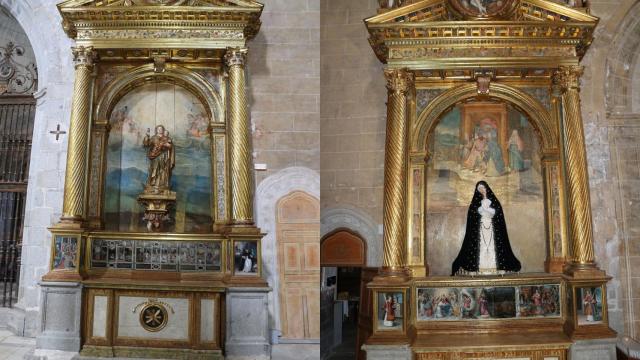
345 303
18 82
297 223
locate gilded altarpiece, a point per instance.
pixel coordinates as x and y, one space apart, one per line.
157 222
486 90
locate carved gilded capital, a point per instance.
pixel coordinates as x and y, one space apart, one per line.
83 56
568 77
235 56
399 81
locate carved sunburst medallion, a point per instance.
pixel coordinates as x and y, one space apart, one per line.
154 317
483 9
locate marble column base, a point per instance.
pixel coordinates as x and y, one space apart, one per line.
61 306
386 352
596 349
247 321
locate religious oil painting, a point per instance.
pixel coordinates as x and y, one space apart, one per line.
390 311
183 256
481 303
65 253
484 142
245 258
539 301
159 145
589 305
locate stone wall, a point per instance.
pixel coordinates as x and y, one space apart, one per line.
284 86
41 21
352 116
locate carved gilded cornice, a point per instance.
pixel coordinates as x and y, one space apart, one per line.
205 24
428 35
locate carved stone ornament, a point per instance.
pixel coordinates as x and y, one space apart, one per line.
568 77
399 80
16 78
83 56
237 56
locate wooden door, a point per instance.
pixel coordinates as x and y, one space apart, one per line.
298 234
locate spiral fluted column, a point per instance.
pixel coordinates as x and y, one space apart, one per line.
575 157
240 164
399 82
76 171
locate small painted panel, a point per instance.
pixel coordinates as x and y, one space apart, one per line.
182 256
539 301
245 258
589 305
65 252
481 303
390 311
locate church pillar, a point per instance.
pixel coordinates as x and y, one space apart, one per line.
399 83
575 158
240 163
75 179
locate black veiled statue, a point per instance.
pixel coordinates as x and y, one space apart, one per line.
486 249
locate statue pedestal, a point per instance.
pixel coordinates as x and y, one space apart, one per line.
596 349
61 304
157 207
385 352
247 328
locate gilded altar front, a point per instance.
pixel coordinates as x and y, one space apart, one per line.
485 91
157 227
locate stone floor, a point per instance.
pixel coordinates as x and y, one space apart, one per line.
15 348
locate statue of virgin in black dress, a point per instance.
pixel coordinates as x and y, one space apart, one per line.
485 249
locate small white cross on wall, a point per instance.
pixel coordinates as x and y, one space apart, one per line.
57 132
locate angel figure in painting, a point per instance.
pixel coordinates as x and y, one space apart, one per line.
389 311
485 249
589 305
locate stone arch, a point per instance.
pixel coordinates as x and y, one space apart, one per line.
622 66
358 221
539 116
269 192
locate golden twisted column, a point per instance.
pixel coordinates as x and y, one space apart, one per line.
575 157
77 150
240 163
399 82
